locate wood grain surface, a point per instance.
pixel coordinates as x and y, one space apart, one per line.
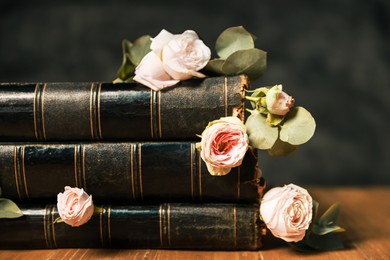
365 214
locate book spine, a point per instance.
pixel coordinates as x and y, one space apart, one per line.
127 172
107 111
180 226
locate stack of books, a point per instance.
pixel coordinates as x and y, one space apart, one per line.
134 150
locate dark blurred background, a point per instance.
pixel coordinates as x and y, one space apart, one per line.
333 56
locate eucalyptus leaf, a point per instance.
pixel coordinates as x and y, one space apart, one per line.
9 209
215 66
261 135
281 148
298 127
323 230
251 62
232 40
273 119
331 216
140 48
126 70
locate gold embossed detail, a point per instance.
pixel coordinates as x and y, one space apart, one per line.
43 111
45 224
90 110
200 177
24 172
75 166
52 224
132 170
99 123
16 172
140 170
109 224
83 168
101 227
35 111
169 223
161 225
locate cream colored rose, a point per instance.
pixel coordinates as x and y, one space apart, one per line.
75 206
173 57
287 212
278 102
223 145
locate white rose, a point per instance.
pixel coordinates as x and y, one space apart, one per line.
287 212
278 101
174 57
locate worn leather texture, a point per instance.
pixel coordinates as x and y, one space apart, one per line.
123 111
124 172
181 226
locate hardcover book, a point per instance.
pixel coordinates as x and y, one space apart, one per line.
126 172
180 226
107 111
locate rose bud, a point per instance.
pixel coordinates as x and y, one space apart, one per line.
278 102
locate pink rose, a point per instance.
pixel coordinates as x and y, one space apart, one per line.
75 206
174 57
223 145
287 212
278 102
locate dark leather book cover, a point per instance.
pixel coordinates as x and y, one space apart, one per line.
180 226
141 172
123 111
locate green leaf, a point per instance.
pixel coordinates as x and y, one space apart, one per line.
251 62
281 148
126 70
215 66
323 230
9 209
274 119
140 48
261 135
331 216
233 39
299 126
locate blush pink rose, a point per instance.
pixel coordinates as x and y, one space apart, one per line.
223 145
173 57
287 212
75 206
278 102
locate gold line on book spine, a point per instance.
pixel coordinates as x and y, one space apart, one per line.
109 224
235 226
84 181
52 226
132 170
169 223
75 166
45 228
93 111
161 226
43 111
154 114
140 170
16 169
24 172
37 111
225 96
99 123
101 228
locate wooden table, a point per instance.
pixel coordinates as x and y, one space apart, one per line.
365 214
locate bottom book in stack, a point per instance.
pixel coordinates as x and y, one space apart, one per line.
170 225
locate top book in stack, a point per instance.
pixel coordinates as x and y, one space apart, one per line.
107 111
